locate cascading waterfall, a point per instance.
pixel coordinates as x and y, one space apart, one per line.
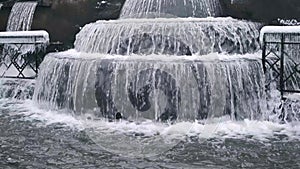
159 87
169 36
171 8
159 68
21 16
162 92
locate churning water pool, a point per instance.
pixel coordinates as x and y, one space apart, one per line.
151 37
33 137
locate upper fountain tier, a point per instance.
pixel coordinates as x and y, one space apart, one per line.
171 8
170 36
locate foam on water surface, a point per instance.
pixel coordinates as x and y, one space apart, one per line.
148 138
220 128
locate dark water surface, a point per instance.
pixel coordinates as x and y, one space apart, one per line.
30 143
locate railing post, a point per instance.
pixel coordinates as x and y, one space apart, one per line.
36 60
282 66
264 53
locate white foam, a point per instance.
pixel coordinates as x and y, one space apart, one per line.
218 128
170 20
74 54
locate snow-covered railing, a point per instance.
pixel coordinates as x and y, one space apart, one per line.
24 37
21 52
281 56
269 34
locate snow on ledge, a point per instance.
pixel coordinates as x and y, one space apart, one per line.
278 29
39 36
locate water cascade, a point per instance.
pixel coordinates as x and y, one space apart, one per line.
174 36
21 16
171 8
153 88
151 64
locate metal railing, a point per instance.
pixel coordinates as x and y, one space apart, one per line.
21 53
281 60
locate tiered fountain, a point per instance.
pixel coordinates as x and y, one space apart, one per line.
162 60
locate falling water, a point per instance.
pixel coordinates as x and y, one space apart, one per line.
21 16
171 8
136 74
169 36
158 88
159 68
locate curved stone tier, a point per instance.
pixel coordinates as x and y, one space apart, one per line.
170 8
179 36
158 87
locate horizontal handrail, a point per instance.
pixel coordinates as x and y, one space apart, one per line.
24 37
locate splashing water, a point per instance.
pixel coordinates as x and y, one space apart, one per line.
147 81
138 67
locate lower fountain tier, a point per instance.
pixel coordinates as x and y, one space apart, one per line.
173 36
159 87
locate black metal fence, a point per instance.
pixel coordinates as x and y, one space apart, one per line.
20 56
281 61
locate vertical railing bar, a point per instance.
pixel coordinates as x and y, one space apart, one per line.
282 66
264 53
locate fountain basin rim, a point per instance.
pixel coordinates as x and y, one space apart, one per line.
170 20
72 54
